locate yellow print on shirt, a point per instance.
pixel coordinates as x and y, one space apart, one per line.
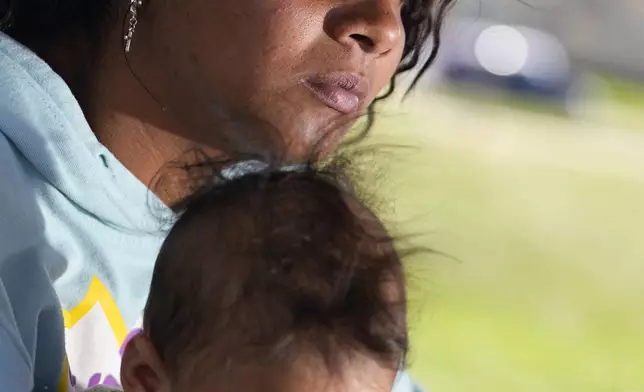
98 294
95 334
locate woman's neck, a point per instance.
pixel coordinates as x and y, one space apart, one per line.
128 121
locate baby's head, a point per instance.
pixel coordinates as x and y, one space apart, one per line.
280 281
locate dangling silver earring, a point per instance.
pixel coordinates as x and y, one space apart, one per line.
132 21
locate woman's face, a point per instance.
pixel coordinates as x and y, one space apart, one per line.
301 67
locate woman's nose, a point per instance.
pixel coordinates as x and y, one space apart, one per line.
373 25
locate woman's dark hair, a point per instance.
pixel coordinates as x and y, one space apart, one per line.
264 267
40 22
37 22
422 19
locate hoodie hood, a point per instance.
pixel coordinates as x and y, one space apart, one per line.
40 116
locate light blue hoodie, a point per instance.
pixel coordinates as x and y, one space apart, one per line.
73 223
78 238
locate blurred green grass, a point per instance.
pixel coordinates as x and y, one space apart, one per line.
544 215
624 92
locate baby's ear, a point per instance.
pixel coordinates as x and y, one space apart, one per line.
141 367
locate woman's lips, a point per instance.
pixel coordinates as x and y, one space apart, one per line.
343 92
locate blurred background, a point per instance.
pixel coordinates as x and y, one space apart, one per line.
528 172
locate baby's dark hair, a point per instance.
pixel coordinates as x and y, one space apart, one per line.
273 265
